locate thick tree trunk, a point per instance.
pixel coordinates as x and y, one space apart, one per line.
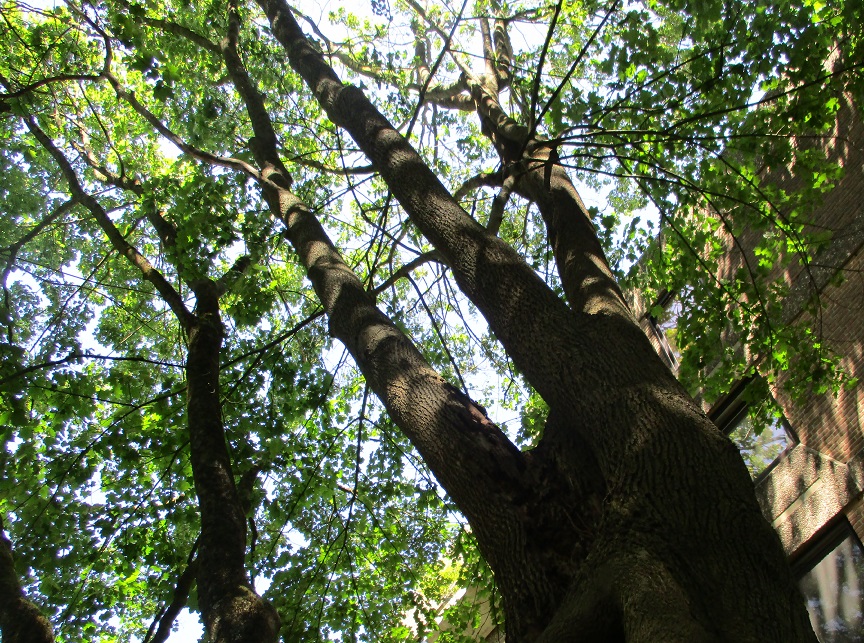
20 620
232 611
634 519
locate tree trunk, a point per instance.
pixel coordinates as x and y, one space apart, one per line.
20 620
634 519
232 611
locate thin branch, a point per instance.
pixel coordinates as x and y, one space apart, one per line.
167 615
572 69
148 271
768 98
406 269
47 81
31 234
159 126
166 230
72 357
301 159
184 32
535 90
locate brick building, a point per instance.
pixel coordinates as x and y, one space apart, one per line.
809 468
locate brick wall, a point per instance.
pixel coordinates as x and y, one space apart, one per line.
823 476
829 423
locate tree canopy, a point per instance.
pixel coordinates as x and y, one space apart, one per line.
178 194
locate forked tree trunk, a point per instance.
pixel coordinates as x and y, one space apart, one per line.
231 610
634 519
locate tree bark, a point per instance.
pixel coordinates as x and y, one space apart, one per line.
231 610
469 455
634 519
20 620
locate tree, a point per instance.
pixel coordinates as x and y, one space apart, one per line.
619 513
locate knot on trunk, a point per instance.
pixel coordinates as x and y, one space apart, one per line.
244 617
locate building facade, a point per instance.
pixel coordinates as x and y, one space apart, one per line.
808 468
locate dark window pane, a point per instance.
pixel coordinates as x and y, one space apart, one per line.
834 590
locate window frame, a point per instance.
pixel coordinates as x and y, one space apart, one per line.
732 408
823 542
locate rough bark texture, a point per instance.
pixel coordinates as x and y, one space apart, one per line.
20 620
232 611
634 519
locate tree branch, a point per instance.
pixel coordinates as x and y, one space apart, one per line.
18 93
488 52
150 273
159 126
490 273
484 179
503 50
496 212
406 269
236 272
14 248
166 230
429 410
165 619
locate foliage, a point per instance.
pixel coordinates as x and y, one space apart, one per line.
675 108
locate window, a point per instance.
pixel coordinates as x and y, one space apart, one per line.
832 581
759 448
760 437
663 322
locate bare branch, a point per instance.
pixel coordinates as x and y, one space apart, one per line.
488 51
496 213
458 101
503 51
484 179
406 269
74 357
